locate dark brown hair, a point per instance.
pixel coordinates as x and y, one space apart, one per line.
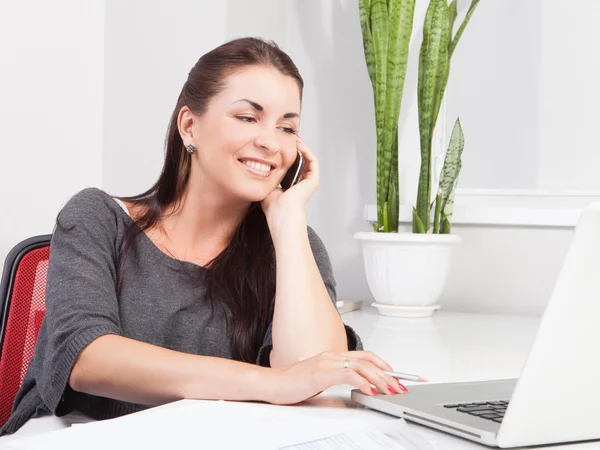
242 278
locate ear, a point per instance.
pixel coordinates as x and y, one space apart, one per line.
185 123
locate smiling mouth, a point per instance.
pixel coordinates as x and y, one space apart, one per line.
256 168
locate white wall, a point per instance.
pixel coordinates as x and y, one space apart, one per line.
523 81
505 269
569 151
493 88
51 100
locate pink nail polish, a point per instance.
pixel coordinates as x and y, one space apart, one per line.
373 391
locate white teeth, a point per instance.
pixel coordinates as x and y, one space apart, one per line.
257 166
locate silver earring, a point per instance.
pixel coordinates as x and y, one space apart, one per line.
190 149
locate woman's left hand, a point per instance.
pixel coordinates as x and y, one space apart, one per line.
279 204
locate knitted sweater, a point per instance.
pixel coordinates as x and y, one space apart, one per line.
161 301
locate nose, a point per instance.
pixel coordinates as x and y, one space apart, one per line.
268 140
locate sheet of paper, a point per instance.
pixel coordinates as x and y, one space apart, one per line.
386 435
198 424
354 440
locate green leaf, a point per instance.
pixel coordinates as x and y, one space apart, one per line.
462 27
433 72
451 169
394 188
367 6
436 215
453 12
443 72
393 204
379 27
446 225
400 14
364 7
417 224
386 27
448 208
386 218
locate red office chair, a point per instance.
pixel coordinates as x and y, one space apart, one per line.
22 308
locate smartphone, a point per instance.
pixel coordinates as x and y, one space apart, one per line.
293 174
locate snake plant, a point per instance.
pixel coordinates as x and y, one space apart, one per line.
386 29
434 68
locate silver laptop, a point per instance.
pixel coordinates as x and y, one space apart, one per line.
557 397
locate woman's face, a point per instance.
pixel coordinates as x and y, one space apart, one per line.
246 140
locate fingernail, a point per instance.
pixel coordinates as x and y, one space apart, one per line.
373 391
402 387
391 389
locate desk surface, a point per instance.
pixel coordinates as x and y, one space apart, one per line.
447 347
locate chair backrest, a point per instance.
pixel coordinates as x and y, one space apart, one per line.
22 308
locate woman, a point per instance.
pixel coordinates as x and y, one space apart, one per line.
209 285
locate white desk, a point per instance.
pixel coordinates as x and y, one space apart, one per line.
448 347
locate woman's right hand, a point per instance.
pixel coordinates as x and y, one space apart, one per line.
311 376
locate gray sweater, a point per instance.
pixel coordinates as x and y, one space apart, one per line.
161 302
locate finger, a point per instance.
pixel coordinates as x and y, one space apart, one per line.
384 382
368 355
371 361
312 163
269 199
273 195
376 377
346 376
309 156
393 384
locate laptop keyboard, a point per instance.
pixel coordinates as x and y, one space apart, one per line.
486 410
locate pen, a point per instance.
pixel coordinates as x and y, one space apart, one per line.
405 376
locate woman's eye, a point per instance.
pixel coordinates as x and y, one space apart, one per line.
249 119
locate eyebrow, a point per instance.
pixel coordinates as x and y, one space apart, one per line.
260 108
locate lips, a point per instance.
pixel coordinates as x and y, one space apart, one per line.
257 168
262 167
259 161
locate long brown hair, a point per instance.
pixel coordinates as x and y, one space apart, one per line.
242 278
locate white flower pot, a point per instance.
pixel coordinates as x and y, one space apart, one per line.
406 272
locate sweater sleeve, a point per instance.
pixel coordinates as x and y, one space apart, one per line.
81 299
324 265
